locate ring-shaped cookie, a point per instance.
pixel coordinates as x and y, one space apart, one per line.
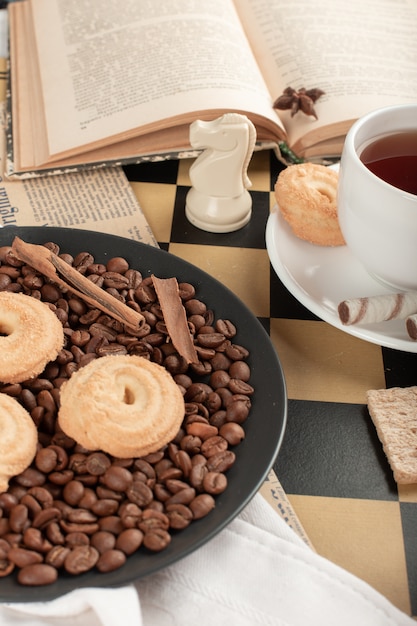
18 440
31 335
306 195
124 405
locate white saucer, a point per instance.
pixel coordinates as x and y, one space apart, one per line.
321 277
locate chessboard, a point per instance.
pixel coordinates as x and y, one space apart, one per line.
331 463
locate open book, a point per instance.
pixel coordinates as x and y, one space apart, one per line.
105 81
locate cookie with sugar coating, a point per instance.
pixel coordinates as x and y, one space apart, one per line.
18 440
31 336
306 194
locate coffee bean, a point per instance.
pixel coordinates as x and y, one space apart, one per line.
111 523
103 493
82 261
54 533
196 476
130 514
201 430
179 515
5 281
46 516
139 494
77 306
96 269
88 528
80 338
129 540
157 539
37 574
56 556
111 560
218 418
105 506
232 432
33 539
31 477
31 503
238 386
19 518
23 557
77 538
195 307
145 294
221 461
202 505
117 478
97 463
183 496
103 540
50 293
210 340
46 460
81 559
240 370
214 482
61 478
115 280
237 412
7 502
213 445
183 461
73 492
88 498
6 567
226 327
81 516
134 277
42 495
118 265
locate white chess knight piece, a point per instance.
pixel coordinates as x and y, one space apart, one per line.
218 200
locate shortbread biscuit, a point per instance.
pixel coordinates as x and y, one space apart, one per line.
31 335
394 413
124 405
18 439
306 195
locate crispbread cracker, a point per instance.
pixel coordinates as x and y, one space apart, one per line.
394 414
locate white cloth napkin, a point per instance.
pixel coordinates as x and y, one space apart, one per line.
256 572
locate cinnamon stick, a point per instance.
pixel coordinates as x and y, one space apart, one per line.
48 264
175 317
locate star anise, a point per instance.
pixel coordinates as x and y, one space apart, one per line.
301 100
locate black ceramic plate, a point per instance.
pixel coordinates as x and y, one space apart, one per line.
264 427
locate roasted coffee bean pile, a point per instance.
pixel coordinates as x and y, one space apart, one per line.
74 510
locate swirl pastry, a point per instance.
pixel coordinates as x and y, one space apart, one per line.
124 405
31 335
306 194
18 441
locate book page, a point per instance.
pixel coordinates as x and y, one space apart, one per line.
108 69
363 54
99 200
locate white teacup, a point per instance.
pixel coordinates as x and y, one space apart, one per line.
379 220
